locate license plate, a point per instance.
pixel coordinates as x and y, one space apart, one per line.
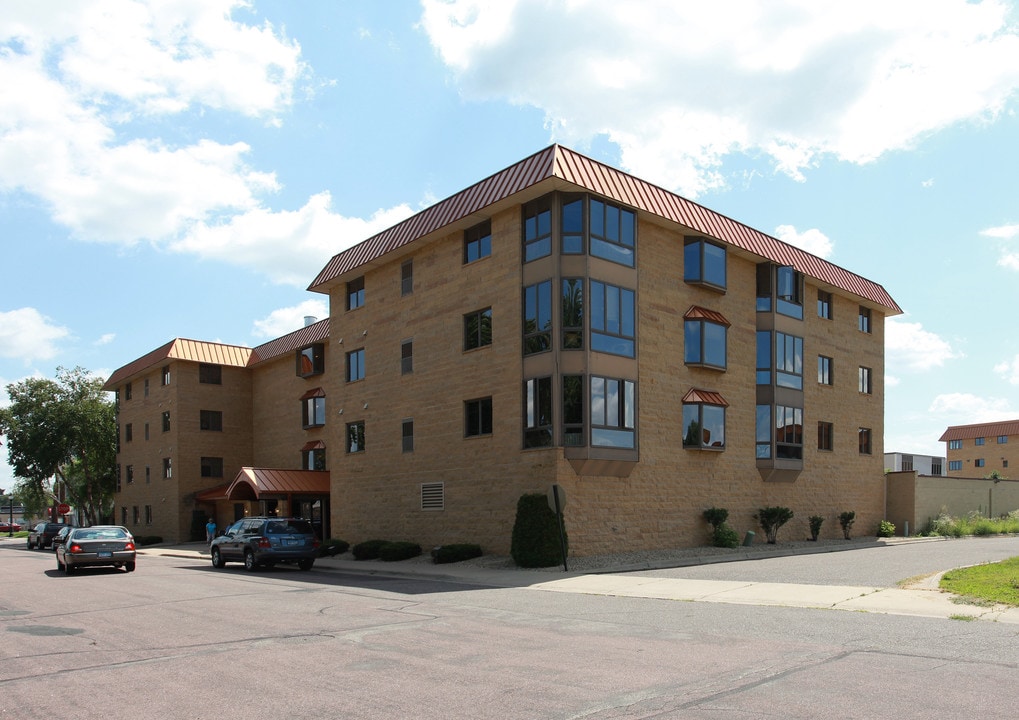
104 554
290 541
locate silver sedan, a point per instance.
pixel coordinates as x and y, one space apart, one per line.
96 546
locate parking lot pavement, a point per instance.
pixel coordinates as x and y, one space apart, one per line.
922 598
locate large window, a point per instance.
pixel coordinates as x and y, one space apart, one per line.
704 339
613 412
311 360
210 420
613 319
782 352
704 263
355 293
212 467
355 365
478 329
478 417
613 232
703 426
313 411
573 314
955 444
955 465
538 317
355 437
780 287
538 229
825 370
573 411
478 242
538 412
210 374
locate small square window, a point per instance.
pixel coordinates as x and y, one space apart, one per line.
313 411
824 304
478 417
355 437
979 462
210 420
311 360
979 441
209 374
212 467
478 329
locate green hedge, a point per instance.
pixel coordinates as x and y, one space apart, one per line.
368 550
535 541
393 551
455 553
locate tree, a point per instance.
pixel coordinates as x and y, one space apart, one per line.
62 430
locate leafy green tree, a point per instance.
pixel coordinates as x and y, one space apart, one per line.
62 432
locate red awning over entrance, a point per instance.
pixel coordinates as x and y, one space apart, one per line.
253 483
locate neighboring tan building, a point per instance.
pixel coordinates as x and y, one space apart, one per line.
922 464
980 449
564 322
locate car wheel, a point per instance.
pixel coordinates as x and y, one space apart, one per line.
217 558
129 566
306 564
29 544
249 561
60 565
68 568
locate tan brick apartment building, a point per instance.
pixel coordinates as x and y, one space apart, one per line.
564 322
978 450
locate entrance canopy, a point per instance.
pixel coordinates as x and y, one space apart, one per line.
254 483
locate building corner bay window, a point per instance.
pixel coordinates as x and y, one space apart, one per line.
779 427
613 413
780 288
538 317
613 319
704 334
538 412
704 420
583 223
784 354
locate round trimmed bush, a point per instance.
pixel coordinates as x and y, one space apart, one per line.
368 550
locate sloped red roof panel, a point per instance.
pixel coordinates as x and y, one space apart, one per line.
593 176
308 335
704 396
182 349
696 312
991 429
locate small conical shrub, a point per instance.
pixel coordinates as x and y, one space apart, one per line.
535 541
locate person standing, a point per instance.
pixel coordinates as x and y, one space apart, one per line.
210 531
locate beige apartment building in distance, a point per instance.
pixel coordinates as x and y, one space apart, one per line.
977 450
559 322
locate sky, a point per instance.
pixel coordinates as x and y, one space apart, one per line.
184 168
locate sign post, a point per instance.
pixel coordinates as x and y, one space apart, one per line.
556 502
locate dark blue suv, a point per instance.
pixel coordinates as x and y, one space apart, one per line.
264 541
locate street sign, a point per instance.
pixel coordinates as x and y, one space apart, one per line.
63 508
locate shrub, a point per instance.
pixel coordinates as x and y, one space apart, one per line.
771 519
846 520
535 541
984 526
716 516
333 547
368 550
393 551
455 553
815 526
885 529
725 537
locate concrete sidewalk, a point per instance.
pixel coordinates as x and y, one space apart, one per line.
923 599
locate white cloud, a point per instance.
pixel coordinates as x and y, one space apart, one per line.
105 339
1009 258
77 74
679 86
289 246
1009 370
966 409
286 320
813 241
910 348
929 182
1003 232
28 335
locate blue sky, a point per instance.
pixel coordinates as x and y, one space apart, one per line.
184 168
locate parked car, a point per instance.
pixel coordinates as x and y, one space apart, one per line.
61 536
96 546
41 536
265 541
5 526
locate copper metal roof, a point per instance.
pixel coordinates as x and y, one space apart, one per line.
696 312
991 429
558 162
273 481
704 396
309 334
183 349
